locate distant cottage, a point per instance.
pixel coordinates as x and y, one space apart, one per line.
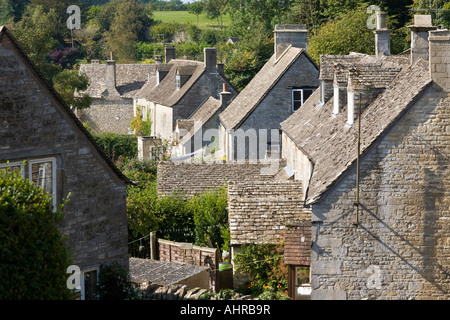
249 126
112 88
177 91
61 157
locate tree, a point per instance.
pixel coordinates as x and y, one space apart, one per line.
214 9
33 255
347 33
196 8
35 33
67 83
129 24
12 9
249 14
255 49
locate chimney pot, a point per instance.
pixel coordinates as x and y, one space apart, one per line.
225 95
381 20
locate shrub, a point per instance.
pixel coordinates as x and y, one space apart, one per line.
114 283
116 145
211 218
264 264
33 255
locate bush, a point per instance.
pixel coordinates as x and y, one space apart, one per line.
116 145
202 219
264 264
114 284
33 255
211 218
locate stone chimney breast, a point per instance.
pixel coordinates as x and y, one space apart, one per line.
210 58
382 36
419 37
289 35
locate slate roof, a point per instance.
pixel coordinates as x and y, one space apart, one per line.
130 78
250 97
165 92
60 102
331 146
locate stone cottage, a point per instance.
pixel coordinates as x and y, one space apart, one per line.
178 89
373 161
275 93
43 137
197 137
112 87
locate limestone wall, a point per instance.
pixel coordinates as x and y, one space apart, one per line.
400 249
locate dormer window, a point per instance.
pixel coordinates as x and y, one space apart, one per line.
178 81
299 97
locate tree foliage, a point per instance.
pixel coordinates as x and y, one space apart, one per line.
33 254
126 22
35 33
67 83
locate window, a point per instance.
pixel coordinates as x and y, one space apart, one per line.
43 174
299 97
89 281
178 81
13 167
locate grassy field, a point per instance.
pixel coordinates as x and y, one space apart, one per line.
186 17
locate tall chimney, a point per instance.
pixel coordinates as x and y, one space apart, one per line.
111 72
419 37
169 51
382 36
286 35
210 58
440 58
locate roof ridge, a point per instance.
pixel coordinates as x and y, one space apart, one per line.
254 81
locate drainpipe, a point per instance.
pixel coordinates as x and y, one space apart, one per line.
356 203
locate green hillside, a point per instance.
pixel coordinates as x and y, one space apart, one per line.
186 17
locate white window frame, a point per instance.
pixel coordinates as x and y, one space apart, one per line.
302 100
14 164
82 283
178 81
43 160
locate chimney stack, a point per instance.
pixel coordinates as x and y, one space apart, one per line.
110 72
439 41
210 58
286 35
225 96
382 36
419 37
170 53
